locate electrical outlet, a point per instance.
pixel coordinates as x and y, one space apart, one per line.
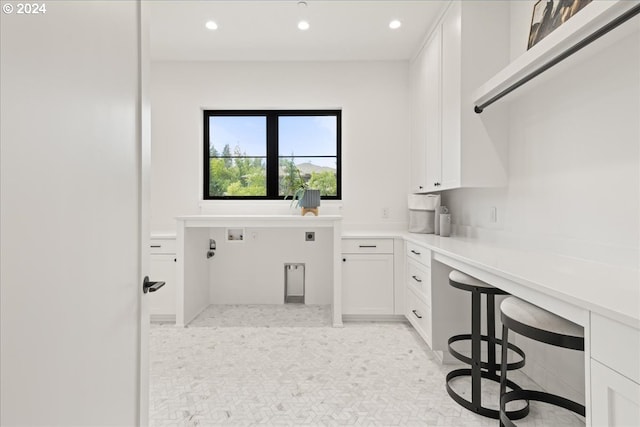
385 213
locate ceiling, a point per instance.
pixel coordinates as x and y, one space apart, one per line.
264 30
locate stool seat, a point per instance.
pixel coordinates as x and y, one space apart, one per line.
540 325
465 279
536 317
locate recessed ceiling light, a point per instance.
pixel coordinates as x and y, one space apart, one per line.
395 24
211 25
303 25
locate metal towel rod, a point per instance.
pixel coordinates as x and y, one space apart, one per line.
582 43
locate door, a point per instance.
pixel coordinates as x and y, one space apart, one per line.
367 284
72 187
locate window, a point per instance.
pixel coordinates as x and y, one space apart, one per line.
268 154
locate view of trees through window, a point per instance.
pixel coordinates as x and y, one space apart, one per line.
271 154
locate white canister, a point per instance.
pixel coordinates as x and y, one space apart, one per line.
439 210
445 225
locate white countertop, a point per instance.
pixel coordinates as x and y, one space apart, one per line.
611 291
259 220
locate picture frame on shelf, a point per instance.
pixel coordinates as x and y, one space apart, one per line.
548 15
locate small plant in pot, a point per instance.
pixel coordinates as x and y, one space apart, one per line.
301 195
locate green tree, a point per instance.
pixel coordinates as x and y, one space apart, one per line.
325 182
290 179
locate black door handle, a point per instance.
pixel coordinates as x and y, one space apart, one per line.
148 286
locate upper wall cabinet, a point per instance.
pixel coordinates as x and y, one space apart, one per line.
452 146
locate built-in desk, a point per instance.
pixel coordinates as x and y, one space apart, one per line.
192 244
604 299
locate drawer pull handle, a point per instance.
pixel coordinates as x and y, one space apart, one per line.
156 246
368 246
415 312
414 252
416 279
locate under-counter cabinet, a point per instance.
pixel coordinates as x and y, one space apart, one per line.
615 373
162 303
452 146
367 276
418 290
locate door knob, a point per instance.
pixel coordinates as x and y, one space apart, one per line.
149 286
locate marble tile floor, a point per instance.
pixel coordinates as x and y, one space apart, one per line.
284 365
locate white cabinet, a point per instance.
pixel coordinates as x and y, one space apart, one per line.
615 373
367 276
425 115
452 146
616 399
162 303
418 290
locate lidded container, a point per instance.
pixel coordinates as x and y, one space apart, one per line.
422 210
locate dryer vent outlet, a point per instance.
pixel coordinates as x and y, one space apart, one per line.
310 236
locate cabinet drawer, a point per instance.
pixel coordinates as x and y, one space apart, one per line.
162 246
419 253
419 315
616 345
419 278
367 246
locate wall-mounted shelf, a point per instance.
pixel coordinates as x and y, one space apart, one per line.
596 19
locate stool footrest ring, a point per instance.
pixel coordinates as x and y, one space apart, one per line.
538 396
485 365
478 408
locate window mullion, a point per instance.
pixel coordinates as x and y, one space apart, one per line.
272 156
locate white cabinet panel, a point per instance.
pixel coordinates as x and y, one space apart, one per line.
433 107
365 246
419 278
615 398
616 345
419 254
451 92
367 284
162 303
419 315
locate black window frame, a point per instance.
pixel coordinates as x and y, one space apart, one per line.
272 153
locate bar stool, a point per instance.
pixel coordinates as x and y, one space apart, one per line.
479 369
540 325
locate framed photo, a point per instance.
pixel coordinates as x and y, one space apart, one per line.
550 14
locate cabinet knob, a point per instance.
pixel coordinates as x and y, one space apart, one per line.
415 312
344 260
416 279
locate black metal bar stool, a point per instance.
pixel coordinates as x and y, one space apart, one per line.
480 369
533 322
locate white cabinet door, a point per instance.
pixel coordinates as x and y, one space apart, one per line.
451 96
367 284
162 303
418 126
615 399
433 110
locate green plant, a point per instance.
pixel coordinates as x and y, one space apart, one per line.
293 183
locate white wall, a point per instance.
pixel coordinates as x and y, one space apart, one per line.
373 97
252 271
574 181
